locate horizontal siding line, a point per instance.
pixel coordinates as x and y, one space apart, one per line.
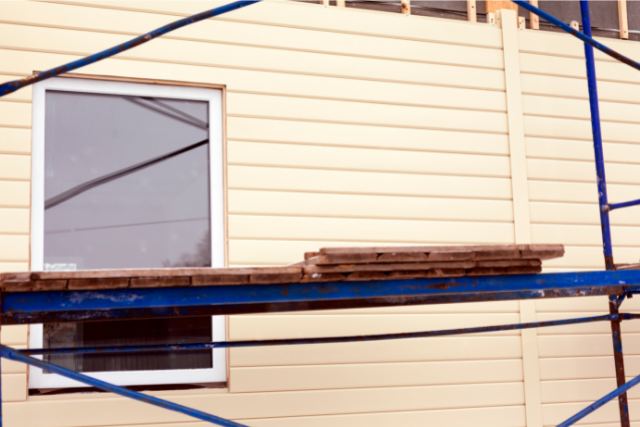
376 387
577 181
358 241
556 55
629 377
15 179
266 24
385 125
3 206
14 260
579 98
365 217
281 71
568 138
366 194
568 203
257 46
24 101
382 219
363 101
14 126
586 119
412 362
323 145
362 170
600 79
453 408
335 313
14 233
15 153
556 159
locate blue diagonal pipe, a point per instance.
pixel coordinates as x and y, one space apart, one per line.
12 354
12 86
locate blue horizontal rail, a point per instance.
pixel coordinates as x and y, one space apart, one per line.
324 340
585 38
12 354
68 306
12 86
613 206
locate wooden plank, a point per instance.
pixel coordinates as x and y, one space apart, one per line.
590 257
622 19
364 230
400 266
472 13
276 275
249 57
492 6
534 19
488 347
158 282
37 285
367 183
522 23
406 7
280 107
366 160
104 283
324 377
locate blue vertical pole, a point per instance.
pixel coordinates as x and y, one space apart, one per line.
604 209
597 138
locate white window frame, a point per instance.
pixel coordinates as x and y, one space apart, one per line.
214 96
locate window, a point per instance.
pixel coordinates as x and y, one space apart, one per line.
127 175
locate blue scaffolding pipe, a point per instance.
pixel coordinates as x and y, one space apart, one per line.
597 139
613 206
324 340
589 409
12 354
69 306
584 37
12 86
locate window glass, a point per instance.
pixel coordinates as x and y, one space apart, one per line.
126 185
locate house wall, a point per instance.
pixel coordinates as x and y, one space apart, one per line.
349 127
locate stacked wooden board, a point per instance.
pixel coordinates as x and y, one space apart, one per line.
327 265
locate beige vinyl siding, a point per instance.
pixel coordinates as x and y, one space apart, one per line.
576 362
354 128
